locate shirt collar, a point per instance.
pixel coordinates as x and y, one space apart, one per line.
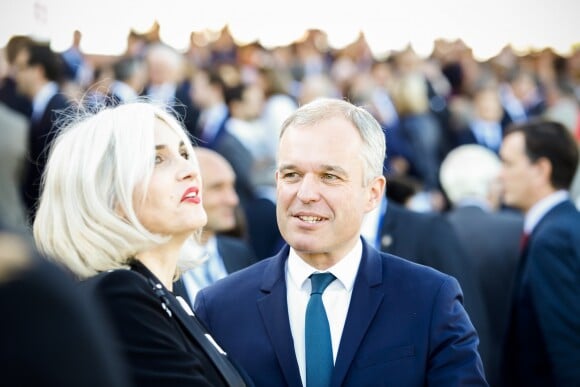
472 201
42 98
211 246
538 210
124 91
164 92
344 270
214 117
372 223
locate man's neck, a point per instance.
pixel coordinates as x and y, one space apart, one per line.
37 88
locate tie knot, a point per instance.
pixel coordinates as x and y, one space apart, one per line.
320 281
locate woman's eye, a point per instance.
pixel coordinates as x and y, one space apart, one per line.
158 159
185 155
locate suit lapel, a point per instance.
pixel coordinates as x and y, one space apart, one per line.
273 308
565 206
365 301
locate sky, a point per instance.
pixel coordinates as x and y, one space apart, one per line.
486 26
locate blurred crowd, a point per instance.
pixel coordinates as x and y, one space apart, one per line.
427 106
444 118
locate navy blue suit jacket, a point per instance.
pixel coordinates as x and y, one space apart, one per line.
429 239
41 135
542 345
406 325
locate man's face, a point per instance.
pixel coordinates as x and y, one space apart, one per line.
321 196
518 173
24 74
219 195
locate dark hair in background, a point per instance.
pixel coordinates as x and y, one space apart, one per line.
41 54
14 45
553 141
126 67
234 94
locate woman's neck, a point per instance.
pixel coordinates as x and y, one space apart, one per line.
162 262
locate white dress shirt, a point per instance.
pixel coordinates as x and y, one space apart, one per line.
211 120
336 299
164 93
41 100
124 92
487 133
372 224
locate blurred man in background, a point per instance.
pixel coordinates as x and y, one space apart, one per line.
542 345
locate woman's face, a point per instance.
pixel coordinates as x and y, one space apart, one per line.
172 204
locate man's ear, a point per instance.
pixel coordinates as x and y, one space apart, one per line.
376 192
544 169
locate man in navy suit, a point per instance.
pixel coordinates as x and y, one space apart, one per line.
38 73
390 321
542 346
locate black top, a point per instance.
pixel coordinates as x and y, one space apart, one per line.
164 346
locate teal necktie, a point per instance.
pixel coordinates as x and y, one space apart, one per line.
319 363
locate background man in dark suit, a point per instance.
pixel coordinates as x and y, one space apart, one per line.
490 238
386 319
167 86
130 78
8 93
225 254
38 73
542 345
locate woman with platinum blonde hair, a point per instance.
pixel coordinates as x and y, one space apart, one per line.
120 201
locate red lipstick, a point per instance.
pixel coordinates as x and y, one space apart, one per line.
191 195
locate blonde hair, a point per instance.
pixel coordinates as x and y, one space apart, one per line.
86 218
410 95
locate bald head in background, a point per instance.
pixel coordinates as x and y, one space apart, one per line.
218 192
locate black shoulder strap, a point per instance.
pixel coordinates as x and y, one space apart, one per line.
192 325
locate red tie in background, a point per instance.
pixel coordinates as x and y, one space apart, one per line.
524 241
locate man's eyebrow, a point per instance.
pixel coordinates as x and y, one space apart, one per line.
334 168
287 166
325 168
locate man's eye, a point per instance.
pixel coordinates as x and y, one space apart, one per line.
158 159
329 176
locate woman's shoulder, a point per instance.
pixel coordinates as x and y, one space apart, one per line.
114 276
118 282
